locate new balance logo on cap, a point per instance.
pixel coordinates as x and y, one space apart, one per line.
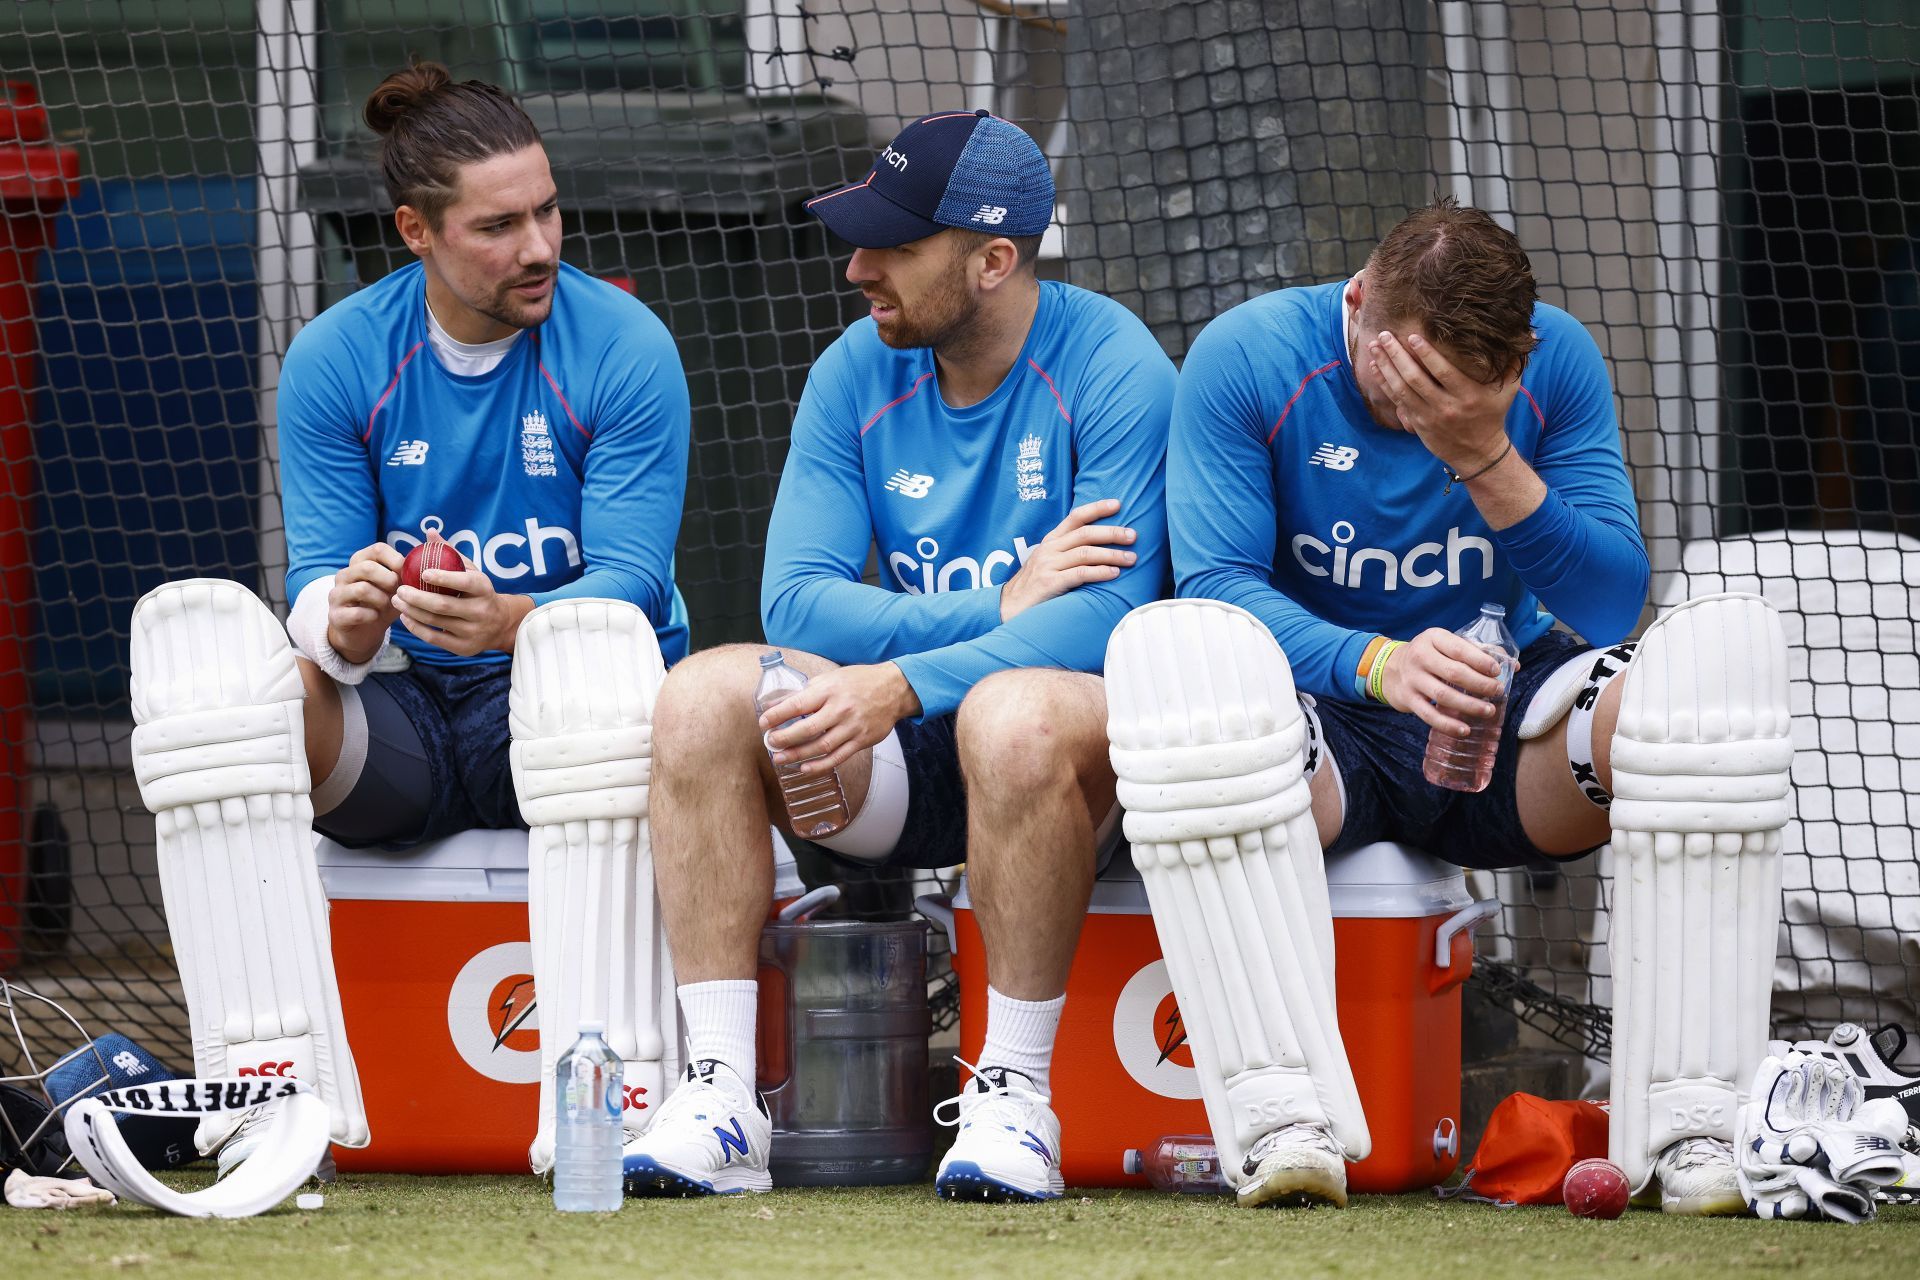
411 453
970 169
1334 457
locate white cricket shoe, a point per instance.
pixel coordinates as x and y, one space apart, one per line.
255 1127
242 1142
1694 1178
1008 1147
710 1137
1295 1164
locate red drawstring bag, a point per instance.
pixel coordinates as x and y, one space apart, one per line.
1529 1145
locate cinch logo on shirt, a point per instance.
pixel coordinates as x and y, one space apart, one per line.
1419 567
926 576
897 159
492 553
411 453
1334 457
910 484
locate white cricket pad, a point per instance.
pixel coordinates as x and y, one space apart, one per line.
293 1144
1700 784
1209 743
219 750
585 674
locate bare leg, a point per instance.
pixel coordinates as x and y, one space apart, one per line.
323 718
1033 749
1556 816
713 796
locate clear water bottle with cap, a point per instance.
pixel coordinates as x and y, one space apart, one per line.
1188 1163
816 802
589 1090
1466 764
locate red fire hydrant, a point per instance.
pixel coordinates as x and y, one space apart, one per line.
36 181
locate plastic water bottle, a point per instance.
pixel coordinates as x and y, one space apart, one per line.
1466 764
1187 1163
816 802
587 1098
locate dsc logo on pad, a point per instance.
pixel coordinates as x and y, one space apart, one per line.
267 1069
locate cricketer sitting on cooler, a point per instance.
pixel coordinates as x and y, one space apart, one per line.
535 418
1354 469
1002 440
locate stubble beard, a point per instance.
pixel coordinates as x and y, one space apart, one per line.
944 316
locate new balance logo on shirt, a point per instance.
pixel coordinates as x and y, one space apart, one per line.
910 484
1334 457
411 453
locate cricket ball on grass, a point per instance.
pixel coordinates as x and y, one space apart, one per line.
1595 1189
435 553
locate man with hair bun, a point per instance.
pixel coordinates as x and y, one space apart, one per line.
1354 469
536 421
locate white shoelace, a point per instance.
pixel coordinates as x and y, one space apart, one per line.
1294 1135
1690 1154
1006 1103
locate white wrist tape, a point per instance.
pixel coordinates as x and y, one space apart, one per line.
288 1152
307 627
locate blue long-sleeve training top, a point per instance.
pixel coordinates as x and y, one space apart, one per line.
560 472
1286 498
956 499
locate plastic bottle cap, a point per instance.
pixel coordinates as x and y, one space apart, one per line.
1496 610
771 658
1130 1161
309 1200
592 1027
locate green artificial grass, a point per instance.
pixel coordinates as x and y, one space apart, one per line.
394 1225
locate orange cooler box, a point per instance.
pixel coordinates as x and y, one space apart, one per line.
436 978
1123 1076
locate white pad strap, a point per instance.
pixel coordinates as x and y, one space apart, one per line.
585 675
1701 793
1208 742
1573 690
219 750
288 1152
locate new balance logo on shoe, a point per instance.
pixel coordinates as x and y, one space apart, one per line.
1334 457
733 1140
910 484
411 453
991 214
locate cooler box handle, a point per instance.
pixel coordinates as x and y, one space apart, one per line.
1460 922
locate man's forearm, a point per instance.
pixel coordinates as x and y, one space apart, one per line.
1507 490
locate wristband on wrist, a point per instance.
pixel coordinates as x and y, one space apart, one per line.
1377 673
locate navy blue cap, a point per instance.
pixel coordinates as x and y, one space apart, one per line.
954 169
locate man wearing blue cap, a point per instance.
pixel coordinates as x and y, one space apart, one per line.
1001 441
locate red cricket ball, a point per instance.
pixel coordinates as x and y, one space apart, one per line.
435 553
1595 1189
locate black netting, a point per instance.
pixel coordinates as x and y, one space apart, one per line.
1726 194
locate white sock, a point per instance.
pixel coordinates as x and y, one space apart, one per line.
1020 1035
720 1021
